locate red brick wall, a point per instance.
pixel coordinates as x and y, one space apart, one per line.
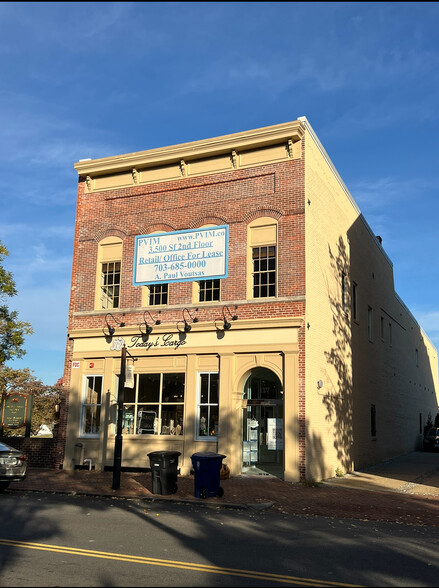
234 198
39 453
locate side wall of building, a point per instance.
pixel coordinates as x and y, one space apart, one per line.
329 408
395 374
371 379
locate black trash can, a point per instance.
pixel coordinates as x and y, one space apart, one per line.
207 466
164 466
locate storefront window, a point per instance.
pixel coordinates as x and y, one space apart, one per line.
91 406
208 406
155 405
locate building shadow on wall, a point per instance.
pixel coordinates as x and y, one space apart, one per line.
377 384
338 401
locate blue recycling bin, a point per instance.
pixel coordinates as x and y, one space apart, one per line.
207 467
164 470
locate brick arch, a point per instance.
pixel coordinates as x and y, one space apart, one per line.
154 228
243 375
109 233
260 211
208 220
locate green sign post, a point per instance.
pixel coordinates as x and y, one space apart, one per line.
16 412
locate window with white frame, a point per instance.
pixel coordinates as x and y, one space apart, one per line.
110 284
208 405
262 258
155 405
264 271
108 273
91 405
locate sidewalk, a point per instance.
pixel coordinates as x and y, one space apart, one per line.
403 490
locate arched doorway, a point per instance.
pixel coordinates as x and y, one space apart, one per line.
263 424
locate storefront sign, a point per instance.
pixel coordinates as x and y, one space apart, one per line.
167 341
181 256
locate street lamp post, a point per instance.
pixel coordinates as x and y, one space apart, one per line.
118 440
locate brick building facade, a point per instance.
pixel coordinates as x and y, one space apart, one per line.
257 358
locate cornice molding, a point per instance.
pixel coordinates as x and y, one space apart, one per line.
263 137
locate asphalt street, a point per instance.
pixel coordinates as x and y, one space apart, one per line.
76 540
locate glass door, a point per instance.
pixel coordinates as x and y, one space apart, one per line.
263 425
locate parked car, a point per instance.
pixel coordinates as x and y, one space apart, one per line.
13 466
431 439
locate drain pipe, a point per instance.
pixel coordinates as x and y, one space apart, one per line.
89 462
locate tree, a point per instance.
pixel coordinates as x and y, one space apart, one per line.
12 331
46 398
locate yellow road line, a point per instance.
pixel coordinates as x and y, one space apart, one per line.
174 564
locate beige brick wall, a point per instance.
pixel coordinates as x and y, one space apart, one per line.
328 216
356 372
386 371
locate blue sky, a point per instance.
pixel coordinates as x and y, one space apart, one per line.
86 79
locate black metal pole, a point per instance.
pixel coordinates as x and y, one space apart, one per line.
118 440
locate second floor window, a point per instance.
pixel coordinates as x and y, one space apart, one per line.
209 290
264 271
110 284
158 294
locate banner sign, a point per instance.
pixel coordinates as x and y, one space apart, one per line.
181 256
